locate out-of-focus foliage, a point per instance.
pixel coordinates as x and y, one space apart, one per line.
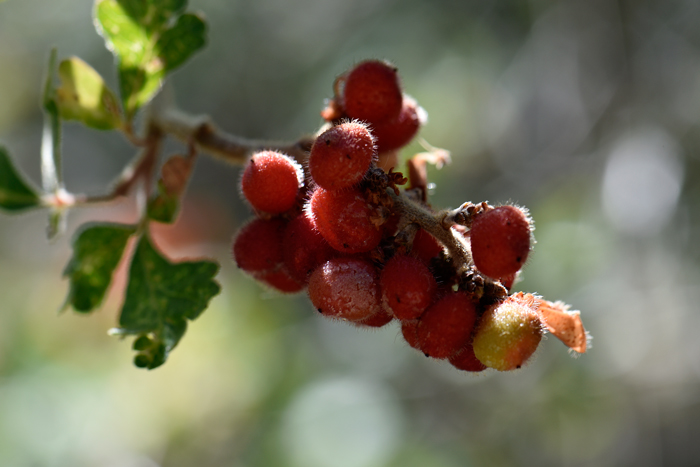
585 112
145 44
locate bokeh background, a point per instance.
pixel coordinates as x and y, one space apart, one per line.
585 111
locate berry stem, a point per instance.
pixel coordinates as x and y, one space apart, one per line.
200 131
433 224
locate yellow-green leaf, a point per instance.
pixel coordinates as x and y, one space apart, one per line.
84 96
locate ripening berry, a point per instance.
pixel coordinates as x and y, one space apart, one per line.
304 248
408 286
345 288
344 220
257 249
271 181
465 360
372 92
508 333
341 155
398 132
500 241
447 325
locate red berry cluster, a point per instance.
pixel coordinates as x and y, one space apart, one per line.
369 254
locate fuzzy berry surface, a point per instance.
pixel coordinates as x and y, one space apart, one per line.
377 320
345 288
409 331
344 220
341 155
304 248
281 280
465 360
508 334
271 182
398 132
257 249
425 246
447 325
500 241
408 286
372 92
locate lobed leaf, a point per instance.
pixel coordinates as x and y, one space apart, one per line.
84 96
97 249
160 297
147 47
15 193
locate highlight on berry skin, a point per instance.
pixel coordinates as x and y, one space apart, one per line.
369 249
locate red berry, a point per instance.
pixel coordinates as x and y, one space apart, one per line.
281 280
304 248
344 220
500 241
447 325
409 331
425 247
372 92
257 248
345 288
377 320
465 360
271 181
408 286
341 155
398 132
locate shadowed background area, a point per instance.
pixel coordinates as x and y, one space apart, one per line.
586 112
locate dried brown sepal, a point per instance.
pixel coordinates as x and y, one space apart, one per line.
175 173
564 324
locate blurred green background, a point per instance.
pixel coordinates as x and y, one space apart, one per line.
587 112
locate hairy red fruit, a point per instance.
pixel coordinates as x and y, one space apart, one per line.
408 286
409 331
425 247
447 325
398 132
344 220
304 248
500 241
508 333
509 280
372 92
281 280
341 156
271 181
377 320
257 249
345 288
465 360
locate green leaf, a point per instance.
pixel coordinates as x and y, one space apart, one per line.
161 297
146 43
178 43
84 96
15 193
97 249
